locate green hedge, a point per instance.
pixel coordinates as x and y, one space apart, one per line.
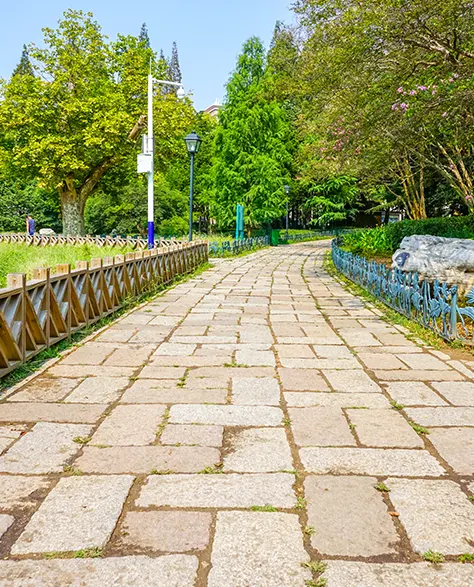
452 227
385 241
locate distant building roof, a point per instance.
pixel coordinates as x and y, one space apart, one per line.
213 109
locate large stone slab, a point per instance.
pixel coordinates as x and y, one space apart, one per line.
423 361
144 459
226 415
255 391
442 416
436 515
167 531
414 393
315 363
80 512
358 336
459 393
255 358
320 426
45 389
40 412
91 353
192 434
384 428
130 355
302 380
21 492
173 349
258 450
381 361
45 449
418 375
140 393
370 461
98 390
130 426
10 433
165 571
351 382
345 573
336 400
5 522
228 490
456 446
75 371
252 549
349 516
162 372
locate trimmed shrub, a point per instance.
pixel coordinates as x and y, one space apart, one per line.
451 227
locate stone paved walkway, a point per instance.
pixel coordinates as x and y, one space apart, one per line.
233 429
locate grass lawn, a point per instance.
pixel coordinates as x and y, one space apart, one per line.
18 258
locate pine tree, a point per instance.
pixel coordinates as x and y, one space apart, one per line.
175 70
252 145
24 67
143 36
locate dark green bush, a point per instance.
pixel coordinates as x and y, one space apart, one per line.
451 227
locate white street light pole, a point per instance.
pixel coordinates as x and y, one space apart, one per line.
151 149
146 158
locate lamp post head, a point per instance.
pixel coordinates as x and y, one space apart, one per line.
193 142
180 94
287 190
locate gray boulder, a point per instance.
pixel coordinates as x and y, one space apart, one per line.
434 257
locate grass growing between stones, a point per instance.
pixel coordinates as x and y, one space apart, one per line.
56 350
72 470
264 508
433 557
94 552
235 365
315 566
213 470
419 429
81 439
163 472
466 558
320 582
396 406
301 503
382 487
89 553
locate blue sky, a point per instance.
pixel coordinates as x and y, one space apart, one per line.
209 34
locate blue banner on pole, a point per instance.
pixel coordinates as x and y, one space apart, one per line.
239 222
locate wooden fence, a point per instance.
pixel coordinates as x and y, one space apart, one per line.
39 313
39 240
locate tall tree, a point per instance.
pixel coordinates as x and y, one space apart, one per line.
386 88
143 37
252 153
83 111
175 70
24 67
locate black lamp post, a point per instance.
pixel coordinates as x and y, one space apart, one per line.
193 142
287 192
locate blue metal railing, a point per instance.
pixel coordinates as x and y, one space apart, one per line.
434 305
234 247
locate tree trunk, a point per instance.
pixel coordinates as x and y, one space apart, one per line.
73 215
